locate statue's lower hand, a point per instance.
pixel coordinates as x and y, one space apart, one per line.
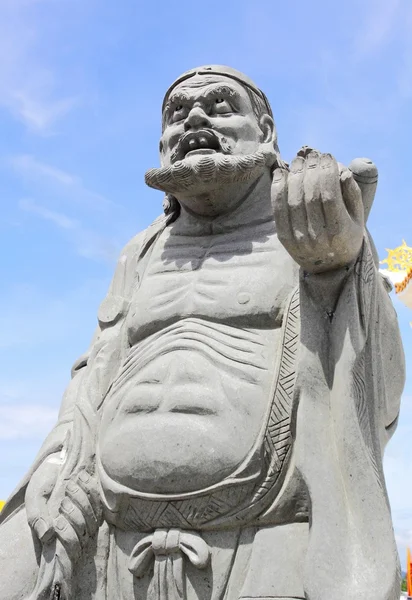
319 212
79 511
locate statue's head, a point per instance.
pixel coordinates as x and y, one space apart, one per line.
217 130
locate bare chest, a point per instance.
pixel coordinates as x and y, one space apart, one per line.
241 278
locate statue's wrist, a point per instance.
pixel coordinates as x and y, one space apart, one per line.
324 288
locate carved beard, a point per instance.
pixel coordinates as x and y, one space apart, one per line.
203 173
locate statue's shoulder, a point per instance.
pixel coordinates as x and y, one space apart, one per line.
132 253
132 247
135 246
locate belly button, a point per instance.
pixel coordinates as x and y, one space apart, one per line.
243 298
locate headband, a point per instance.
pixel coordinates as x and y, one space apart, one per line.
224 72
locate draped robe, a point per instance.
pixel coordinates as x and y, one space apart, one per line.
347 386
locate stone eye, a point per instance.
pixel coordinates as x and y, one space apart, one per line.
221 106
179 113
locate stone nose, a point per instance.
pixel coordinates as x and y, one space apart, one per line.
196 119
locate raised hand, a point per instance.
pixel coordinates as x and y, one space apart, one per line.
318 211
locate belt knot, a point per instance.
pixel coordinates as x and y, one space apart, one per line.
166 547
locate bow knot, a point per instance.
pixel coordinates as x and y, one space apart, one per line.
166 547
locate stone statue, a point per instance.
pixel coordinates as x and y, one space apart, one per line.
222 438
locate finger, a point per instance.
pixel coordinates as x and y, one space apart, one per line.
280 204
352 196
89 485
332 203
36 508
68 537
313 201
341 167
305 151
43 528
37 495
81 499
297 210
75 517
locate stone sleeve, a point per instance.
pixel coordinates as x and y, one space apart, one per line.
351 375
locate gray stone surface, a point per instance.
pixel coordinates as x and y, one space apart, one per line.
222 438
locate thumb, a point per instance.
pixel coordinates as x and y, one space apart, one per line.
352 196
365 173
38 492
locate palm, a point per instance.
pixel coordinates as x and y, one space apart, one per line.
319 212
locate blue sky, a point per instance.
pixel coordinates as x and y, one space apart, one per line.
81 85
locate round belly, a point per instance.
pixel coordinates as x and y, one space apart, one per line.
183 421
173 453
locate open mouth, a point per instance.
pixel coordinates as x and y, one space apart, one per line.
199 142
200 151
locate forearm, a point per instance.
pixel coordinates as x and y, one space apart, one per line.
323 289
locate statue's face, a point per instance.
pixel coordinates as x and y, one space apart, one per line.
208 115
213 145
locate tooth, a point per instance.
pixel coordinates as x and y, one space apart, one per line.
192 144
203 142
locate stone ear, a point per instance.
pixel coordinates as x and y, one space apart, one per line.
267 125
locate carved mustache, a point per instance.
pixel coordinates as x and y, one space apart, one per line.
208 170
204 138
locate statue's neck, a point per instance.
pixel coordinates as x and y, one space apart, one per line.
253 206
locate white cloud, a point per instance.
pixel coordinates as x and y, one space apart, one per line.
48 318
35 111
363 85
87 243
380 19
386 28
26 421
59 219
46 175
28 165
54 183
28 83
